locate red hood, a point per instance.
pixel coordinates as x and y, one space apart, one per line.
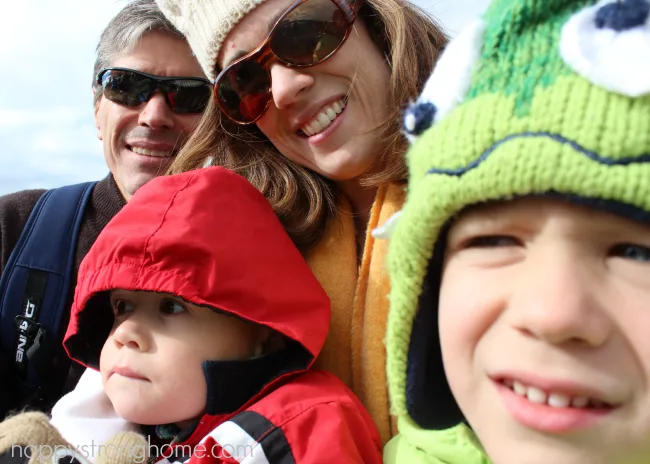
209 237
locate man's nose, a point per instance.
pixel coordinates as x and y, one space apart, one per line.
156 113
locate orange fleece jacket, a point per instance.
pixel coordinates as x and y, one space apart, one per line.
354 350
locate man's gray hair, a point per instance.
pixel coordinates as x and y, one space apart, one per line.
124 32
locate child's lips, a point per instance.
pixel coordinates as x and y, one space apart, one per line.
550 419
126 371
558 394
552 405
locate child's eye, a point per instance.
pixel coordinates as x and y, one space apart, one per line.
634 252
121 307
491 241
169 306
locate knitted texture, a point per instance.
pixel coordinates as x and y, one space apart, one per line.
529 125
205 24
27 434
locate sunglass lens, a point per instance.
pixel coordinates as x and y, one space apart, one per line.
188 96
243 91
126 88
310 33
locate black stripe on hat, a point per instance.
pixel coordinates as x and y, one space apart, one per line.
270 437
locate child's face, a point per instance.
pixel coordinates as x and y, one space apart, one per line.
545 332
151 363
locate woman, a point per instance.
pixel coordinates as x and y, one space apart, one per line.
308 96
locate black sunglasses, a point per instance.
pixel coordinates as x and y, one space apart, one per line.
131 88
308 33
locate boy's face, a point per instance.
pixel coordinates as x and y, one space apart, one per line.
151 363
545 332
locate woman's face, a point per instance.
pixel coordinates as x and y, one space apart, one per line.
325 117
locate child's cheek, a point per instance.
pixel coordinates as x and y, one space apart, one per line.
471 302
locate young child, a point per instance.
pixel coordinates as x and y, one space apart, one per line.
520 265
203 318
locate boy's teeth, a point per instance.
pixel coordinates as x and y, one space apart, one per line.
558 400
519 388
323 119
555 400
580 402
535 395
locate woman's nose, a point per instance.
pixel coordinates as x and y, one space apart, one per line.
288 84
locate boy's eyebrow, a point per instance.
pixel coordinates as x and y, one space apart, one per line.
485 215
490 218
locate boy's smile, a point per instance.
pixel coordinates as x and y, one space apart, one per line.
549 350
559 407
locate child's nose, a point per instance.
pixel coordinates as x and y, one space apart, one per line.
131 334
558 301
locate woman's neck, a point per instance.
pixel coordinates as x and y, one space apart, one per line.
361 199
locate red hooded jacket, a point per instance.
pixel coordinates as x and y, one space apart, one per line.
211 238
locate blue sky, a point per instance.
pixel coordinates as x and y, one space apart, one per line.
47 52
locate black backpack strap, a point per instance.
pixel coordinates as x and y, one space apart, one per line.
35 284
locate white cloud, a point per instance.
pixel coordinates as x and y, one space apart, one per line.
47 53
48 147
454 14
17 118
47 133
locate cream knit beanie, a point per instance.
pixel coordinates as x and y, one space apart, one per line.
206 23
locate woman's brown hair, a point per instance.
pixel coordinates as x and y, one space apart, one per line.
305 201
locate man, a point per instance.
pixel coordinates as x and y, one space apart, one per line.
142 122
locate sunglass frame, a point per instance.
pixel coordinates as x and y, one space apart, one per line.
157 79
350 8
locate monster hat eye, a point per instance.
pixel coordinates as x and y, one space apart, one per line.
623 15
449 83
609 45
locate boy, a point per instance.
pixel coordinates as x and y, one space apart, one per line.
520 264
203 318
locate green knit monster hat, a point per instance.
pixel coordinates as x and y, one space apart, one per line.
539 97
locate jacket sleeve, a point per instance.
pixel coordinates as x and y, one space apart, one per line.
340 431
324 433
15 209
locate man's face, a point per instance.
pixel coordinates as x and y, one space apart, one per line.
140 142
544 317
